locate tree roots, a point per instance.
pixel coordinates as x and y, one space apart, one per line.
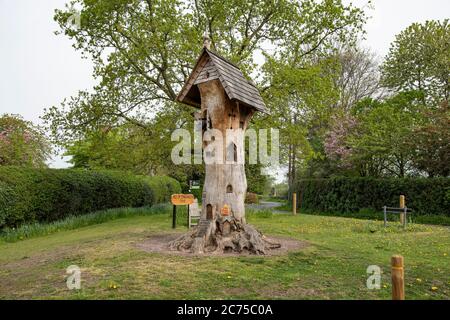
241 238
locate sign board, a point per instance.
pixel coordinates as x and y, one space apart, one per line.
194 184
182 199
225 211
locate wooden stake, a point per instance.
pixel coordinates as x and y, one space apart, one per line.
294 203
402 206
174 217
398 278
188 216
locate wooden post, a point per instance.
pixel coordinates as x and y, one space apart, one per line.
402 206
188 218
294 203
174 217
398 278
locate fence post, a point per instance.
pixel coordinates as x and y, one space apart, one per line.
402 206
294 203
174 217
398 278
385 216
188 216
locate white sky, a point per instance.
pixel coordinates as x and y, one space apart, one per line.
39 69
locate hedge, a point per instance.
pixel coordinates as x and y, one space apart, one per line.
30 195
425 196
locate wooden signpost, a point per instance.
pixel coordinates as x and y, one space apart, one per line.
180 200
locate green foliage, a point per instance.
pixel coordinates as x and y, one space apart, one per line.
22 143
37 229
383 132
365 197
143 51
376 139
255 214
197 193
256 181
251 197
300 95
162 187
431 143
42 195
418 60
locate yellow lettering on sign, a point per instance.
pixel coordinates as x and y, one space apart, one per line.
182 199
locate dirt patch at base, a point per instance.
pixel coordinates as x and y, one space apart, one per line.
159 243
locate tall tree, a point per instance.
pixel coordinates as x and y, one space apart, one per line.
300 97
144 50
374 139
430 142
359 76
419 60
22 143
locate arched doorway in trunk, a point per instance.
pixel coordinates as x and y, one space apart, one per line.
209 212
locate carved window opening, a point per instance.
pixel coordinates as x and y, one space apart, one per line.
229 188
241 124
209 212
204 123
209 122
232 152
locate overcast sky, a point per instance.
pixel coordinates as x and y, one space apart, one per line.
39 69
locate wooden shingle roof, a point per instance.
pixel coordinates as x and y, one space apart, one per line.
211 66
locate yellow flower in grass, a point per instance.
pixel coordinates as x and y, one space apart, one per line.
434 288
419 280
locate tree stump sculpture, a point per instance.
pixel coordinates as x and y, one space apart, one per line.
227 102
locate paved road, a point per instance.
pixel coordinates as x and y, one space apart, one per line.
266 205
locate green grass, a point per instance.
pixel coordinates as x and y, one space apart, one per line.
332 266
272 199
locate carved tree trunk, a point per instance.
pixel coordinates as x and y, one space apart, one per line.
222 226
225 181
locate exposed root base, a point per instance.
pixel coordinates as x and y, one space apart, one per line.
244 238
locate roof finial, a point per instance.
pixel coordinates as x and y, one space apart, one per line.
206 40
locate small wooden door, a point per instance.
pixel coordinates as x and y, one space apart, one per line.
209 212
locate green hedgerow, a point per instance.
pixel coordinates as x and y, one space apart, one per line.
365 197
29 195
